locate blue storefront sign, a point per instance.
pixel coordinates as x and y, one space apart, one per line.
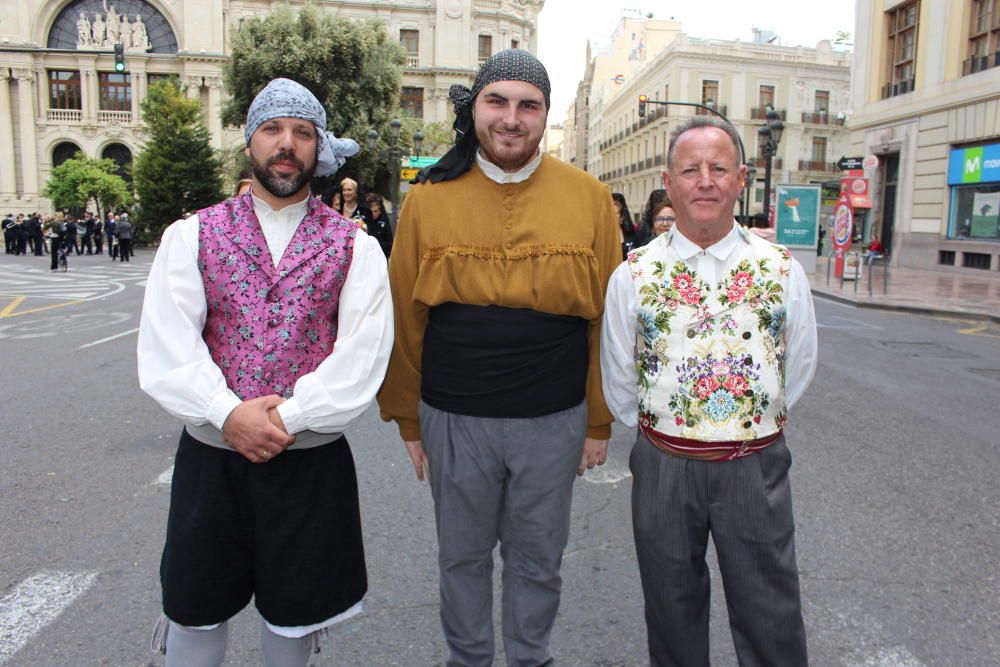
978 164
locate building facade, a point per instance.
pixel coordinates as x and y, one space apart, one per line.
926 103
808 87
60 92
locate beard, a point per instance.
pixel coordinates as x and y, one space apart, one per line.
281 186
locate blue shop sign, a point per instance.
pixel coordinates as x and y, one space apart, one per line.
978 164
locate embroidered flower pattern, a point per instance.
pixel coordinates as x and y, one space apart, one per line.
719 389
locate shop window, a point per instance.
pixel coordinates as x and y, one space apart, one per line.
983 51
976 212
901 43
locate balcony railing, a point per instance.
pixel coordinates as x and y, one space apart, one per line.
122 117
812 165
721 108
821 118
897 88
65 115
761 163
760 113
412 60
980 63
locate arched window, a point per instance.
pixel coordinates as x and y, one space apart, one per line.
69 28
63 151
122 157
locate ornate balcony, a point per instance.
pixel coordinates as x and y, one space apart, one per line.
64 115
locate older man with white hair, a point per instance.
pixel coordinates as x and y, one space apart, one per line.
266 328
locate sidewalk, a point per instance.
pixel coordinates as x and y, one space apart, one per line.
969 295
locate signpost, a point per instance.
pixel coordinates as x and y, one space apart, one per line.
843 228
850 163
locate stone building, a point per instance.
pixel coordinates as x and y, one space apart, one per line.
926 103
60 93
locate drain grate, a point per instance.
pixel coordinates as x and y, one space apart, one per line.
927 350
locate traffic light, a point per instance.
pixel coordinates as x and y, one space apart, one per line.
119 57
642 105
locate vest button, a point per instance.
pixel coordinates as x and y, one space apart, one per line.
747 424
689 423
748 393
691 333
746 335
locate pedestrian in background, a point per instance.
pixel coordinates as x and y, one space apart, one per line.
124 232
98 236
628 229
380 226
659 213
111 231
726 345
55 231
69 239
351 206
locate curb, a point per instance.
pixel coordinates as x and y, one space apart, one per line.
902 308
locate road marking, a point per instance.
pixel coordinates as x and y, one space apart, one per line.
40 309
9 308
896 656
973 327
36 602
105 340
165 477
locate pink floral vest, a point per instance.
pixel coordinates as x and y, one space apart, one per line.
267 326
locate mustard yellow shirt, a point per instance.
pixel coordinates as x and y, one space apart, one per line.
549 243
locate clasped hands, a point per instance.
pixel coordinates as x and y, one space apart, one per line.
255 429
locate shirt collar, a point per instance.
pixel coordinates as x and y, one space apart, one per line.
495 173
687 248
295 211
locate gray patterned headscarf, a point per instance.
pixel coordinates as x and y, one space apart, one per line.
509 65
284 98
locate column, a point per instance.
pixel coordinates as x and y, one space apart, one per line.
29 145
215 109
42 79
138 94
8 184
88 83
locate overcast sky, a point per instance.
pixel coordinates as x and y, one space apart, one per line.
564 27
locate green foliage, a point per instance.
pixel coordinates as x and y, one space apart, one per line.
352 67
81 180
177 172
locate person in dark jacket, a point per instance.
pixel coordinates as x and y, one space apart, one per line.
380 227
110 231
627 227
125 233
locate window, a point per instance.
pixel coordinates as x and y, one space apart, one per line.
411 101
984 37
115 91
410 40
902 49
64 89
819 150
709 92
485 48
765 97
975 212
822 101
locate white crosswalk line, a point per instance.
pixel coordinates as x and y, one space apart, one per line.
36 602
165 477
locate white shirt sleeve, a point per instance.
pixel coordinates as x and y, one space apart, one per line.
619 375
800 336
175 366
344 384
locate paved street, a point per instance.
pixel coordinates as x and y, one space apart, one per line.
895 470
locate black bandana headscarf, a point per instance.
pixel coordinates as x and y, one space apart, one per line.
509 65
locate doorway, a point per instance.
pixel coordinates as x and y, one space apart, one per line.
890 180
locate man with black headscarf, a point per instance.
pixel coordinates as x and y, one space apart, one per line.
499 267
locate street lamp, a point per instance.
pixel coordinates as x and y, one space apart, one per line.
748 187
394 153
770 137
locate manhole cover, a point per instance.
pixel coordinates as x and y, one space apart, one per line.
925 349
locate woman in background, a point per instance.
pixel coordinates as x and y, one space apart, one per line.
379 227
658 214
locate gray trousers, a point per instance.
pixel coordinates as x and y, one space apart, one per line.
509 480
746 505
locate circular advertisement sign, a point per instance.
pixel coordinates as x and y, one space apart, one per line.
870 163
859 186
843 220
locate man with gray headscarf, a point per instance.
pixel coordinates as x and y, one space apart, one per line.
498 270
266 328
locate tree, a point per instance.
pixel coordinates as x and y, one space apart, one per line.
177 171
352 67
81 180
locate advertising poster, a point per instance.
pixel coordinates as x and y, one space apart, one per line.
797 212
985 215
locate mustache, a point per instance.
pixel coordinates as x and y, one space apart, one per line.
285 156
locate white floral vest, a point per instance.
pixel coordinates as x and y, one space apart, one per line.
711 357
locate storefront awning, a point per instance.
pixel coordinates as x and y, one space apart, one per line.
860 201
